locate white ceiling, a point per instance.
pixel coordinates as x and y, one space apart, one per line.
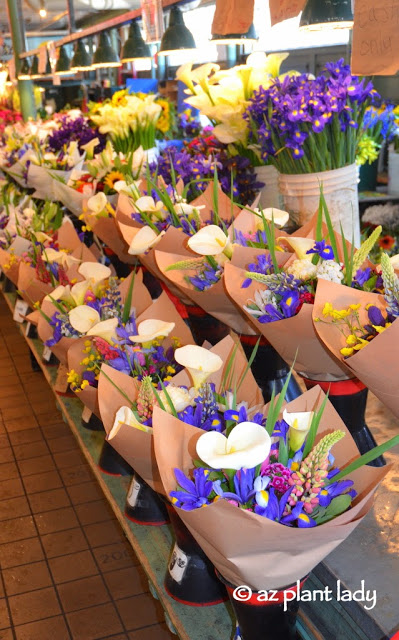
83 8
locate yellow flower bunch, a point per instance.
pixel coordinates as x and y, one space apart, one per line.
368 150
164 121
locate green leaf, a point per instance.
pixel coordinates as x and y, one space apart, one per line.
366 458
128 302
167 396
283 452
317 416
339 505
249 363
331 233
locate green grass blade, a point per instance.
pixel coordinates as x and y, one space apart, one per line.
128 302
366 458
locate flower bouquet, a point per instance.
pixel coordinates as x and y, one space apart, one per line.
130 120
137 346
69 311
309 128
48 167
360 328
293 481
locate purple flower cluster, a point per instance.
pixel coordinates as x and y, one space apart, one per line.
196 164
75 130
288 113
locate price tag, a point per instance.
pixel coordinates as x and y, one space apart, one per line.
178 564
46 355
27 330
20 309
61 382
133 493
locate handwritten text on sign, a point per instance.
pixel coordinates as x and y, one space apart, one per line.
284 9
375 50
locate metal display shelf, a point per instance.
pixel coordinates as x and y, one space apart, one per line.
153 545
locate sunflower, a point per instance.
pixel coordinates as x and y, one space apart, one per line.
163 123
113 177
119 97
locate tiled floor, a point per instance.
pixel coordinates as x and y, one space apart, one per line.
67 571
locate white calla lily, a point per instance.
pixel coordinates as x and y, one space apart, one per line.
78 292
125 415
89 147
94 273
150 329
200 362
60 293
180 397
144 239
59 257
83 318
96 204
209 241
299 245
394 260
106 329
185 209
42 237
279 217
147 204
299 424
247 446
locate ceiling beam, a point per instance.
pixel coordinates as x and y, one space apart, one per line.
112 23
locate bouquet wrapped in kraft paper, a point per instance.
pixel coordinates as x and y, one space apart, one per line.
265 554
136 445
144 309
375 362
48 308
44 179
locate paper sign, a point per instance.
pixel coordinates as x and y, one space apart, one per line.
375 32
284 9
28 328
61 383
232 16
20 310
152 19
46 355
42 59
19 246
133 493
178 564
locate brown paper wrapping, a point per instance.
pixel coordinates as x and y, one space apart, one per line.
293 337
266 554
107 230
75 355
232 16
376 365
374 36
12 272
32 290
33 317
136 446
284 9
68 237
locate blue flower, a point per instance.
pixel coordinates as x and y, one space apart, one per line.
243 485
193 494
323 250
289 303
331 491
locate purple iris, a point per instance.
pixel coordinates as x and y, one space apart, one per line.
193 494
335 489
361 277
263 265
289 303
242 416
323 250
375 316
243 485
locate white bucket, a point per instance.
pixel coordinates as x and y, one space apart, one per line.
301 194
151 155
393 173
270 194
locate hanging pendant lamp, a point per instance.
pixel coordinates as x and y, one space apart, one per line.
177 37
105 55
24 72
81 60
62 68
319 15
135 48
236 38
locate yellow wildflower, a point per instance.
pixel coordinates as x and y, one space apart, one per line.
351 340
347 351
354 307
328 309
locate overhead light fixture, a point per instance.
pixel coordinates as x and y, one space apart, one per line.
249 37
34 70
321 15
42 10
62 68
176 37
81 60
24 72
135 48
105 55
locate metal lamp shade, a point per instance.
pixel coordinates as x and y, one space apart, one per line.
327 14
24 73
62 68
176 37
105 55
236 38
135 48
81 60
34 70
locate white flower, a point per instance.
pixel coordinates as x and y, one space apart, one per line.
78 292
180 397
279 217
144 239
130 190
90 146
395 261
209 241
83 318
299 424
125 415
147 204
60 257
61 293
106 329
149 329
96 204
184 209
299 245
330 270
94 272
247 446
302 269
199 361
